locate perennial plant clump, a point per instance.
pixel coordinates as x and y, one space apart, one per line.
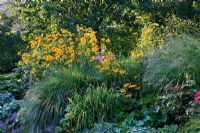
64 48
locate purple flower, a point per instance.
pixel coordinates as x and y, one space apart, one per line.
99 58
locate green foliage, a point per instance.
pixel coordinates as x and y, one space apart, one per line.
147 117
114 128
5 98
9 43
45 102
8 108
105 128
178 101
170 63
123 70
13 84
174 26
97 105
111 18
192 125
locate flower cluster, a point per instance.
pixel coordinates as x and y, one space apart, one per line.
127 89
197 96
147 40
63 48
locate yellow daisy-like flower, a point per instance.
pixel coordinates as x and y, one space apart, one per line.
103 46
69 39
71 43
19 53
86 35
88 52
95 49
103 39
64 31
60 41
83 41
20 63
32 45
53 49
108 40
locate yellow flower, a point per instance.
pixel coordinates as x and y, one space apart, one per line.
47 46
86 35
83 41
94 39
69 39
64 31
32 45
72 55
71 49
95 49
93 44
103 39
79 53
20 63
64 46
103 46
53 49
105 62
64 57
71 43
19 53
24 57
122 91
108 40
60 41
88 52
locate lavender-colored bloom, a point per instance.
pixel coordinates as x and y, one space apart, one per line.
99 58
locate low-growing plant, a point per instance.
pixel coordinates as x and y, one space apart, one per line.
105 128
8 111
178 101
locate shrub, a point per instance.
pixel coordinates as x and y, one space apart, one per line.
45 102
146 41
178 101
170 63
10 43
174 26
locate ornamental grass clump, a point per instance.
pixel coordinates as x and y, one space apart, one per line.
45 102
97 105
169 64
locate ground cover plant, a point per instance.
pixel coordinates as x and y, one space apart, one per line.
101 66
